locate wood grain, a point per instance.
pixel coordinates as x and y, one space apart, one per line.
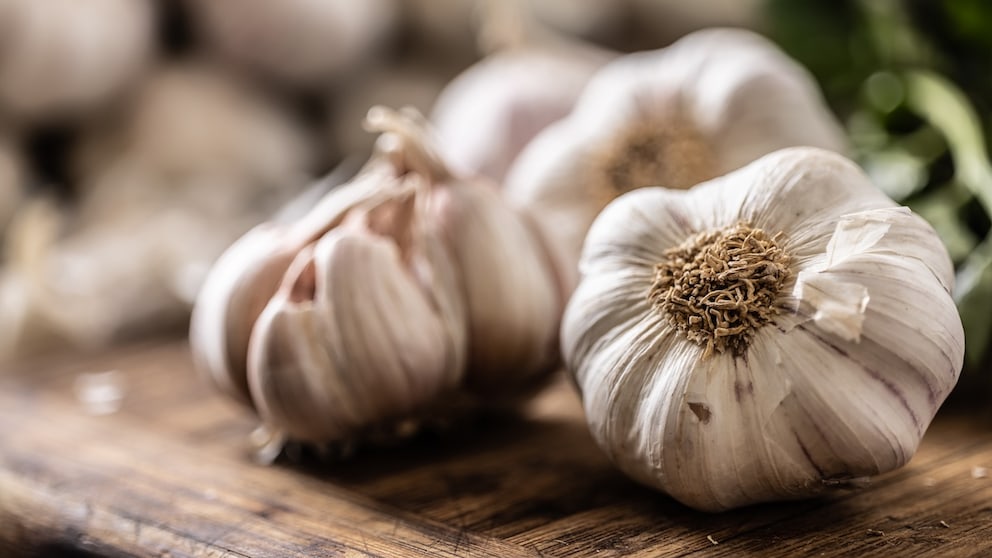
170 474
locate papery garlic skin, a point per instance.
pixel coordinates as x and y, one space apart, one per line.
66 56
708 104
865 345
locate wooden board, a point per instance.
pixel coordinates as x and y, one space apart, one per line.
170 474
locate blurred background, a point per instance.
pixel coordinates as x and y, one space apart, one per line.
139 138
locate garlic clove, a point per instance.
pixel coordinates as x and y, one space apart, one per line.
675 117
239 286
512 294
248 274
354 337
836 375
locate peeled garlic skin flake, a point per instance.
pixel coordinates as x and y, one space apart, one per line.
737 401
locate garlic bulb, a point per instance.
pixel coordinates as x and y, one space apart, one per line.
486 115
11 182
708 104
196 161
764 335
190 124
298 42
405 290
65 56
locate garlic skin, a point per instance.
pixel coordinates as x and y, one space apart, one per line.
710 103
300 43
67 56
837 378
489 112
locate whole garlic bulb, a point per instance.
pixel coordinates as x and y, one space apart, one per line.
66 56
763 335
706 105
489 112
405 290
298 42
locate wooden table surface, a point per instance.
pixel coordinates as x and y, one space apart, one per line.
170 474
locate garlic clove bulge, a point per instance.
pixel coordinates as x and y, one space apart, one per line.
248 274
512 294
362 331
706 105
764 334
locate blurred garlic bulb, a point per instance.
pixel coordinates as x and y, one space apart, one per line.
197 161
11 182
401 289
67 56
707 105
764 335
190 122
298 42
486 115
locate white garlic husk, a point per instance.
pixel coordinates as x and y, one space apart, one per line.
764 335
708 104
489 112
68 56
425 285
297 42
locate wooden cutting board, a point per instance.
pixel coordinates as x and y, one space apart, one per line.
170 474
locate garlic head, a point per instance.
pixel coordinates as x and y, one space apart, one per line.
763 335
710 103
